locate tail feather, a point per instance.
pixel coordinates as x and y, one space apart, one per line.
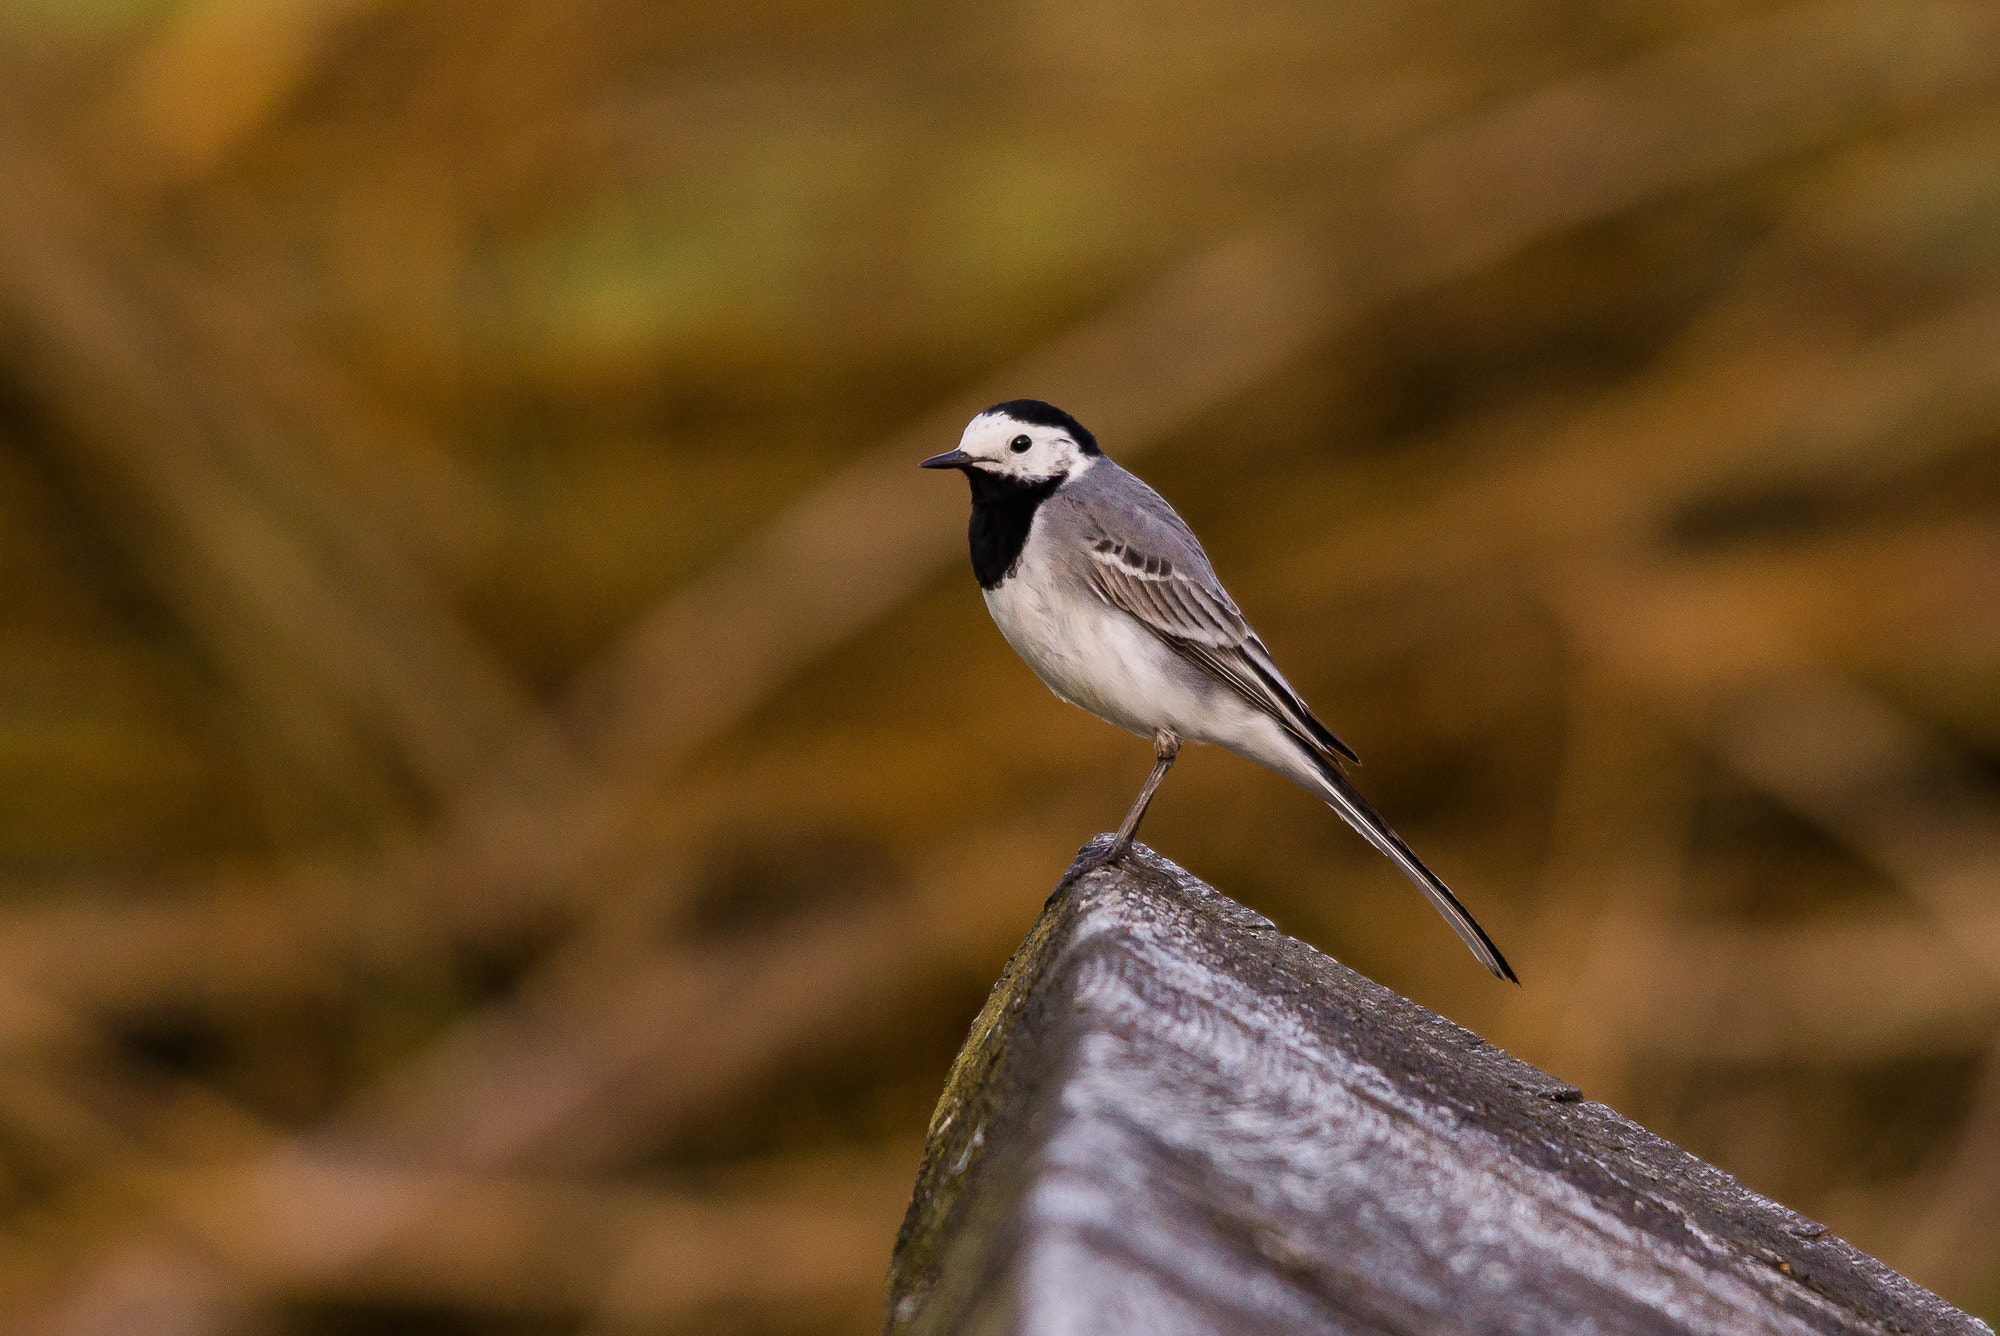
1346 800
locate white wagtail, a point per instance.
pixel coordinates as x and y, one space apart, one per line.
1104 590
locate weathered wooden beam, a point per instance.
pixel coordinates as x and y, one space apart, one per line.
1170 1117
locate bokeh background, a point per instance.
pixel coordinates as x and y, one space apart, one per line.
509 797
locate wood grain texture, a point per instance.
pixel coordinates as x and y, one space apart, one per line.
1170 1117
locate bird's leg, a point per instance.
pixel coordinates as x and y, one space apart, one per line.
1166 746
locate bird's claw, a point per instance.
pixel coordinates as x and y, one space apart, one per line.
1089 863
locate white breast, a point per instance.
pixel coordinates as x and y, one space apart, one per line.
1089 653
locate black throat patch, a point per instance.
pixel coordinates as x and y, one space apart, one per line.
1003 510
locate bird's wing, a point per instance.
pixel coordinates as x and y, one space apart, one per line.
1156 571
1145 561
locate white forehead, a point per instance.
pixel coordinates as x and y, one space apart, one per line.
998 426
991 433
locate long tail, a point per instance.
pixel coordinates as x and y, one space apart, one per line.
1344 799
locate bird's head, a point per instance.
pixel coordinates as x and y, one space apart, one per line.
1022 441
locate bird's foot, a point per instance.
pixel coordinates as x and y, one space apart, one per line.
1090 862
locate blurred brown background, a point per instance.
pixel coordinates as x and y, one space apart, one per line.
509 797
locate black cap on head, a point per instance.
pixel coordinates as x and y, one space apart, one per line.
1039 414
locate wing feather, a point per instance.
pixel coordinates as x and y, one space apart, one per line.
1191 611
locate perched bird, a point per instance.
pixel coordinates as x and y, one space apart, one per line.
1103 589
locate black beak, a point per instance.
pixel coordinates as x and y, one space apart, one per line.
950 459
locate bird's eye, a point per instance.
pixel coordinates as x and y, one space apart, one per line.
1019 443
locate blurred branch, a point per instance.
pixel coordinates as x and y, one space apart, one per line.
195 952
591 1067
282 583
1799 405
1839 756
1853 764
1949 1205
1584 149
211 76
1605 894
548 1248
1828 993
579 1076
